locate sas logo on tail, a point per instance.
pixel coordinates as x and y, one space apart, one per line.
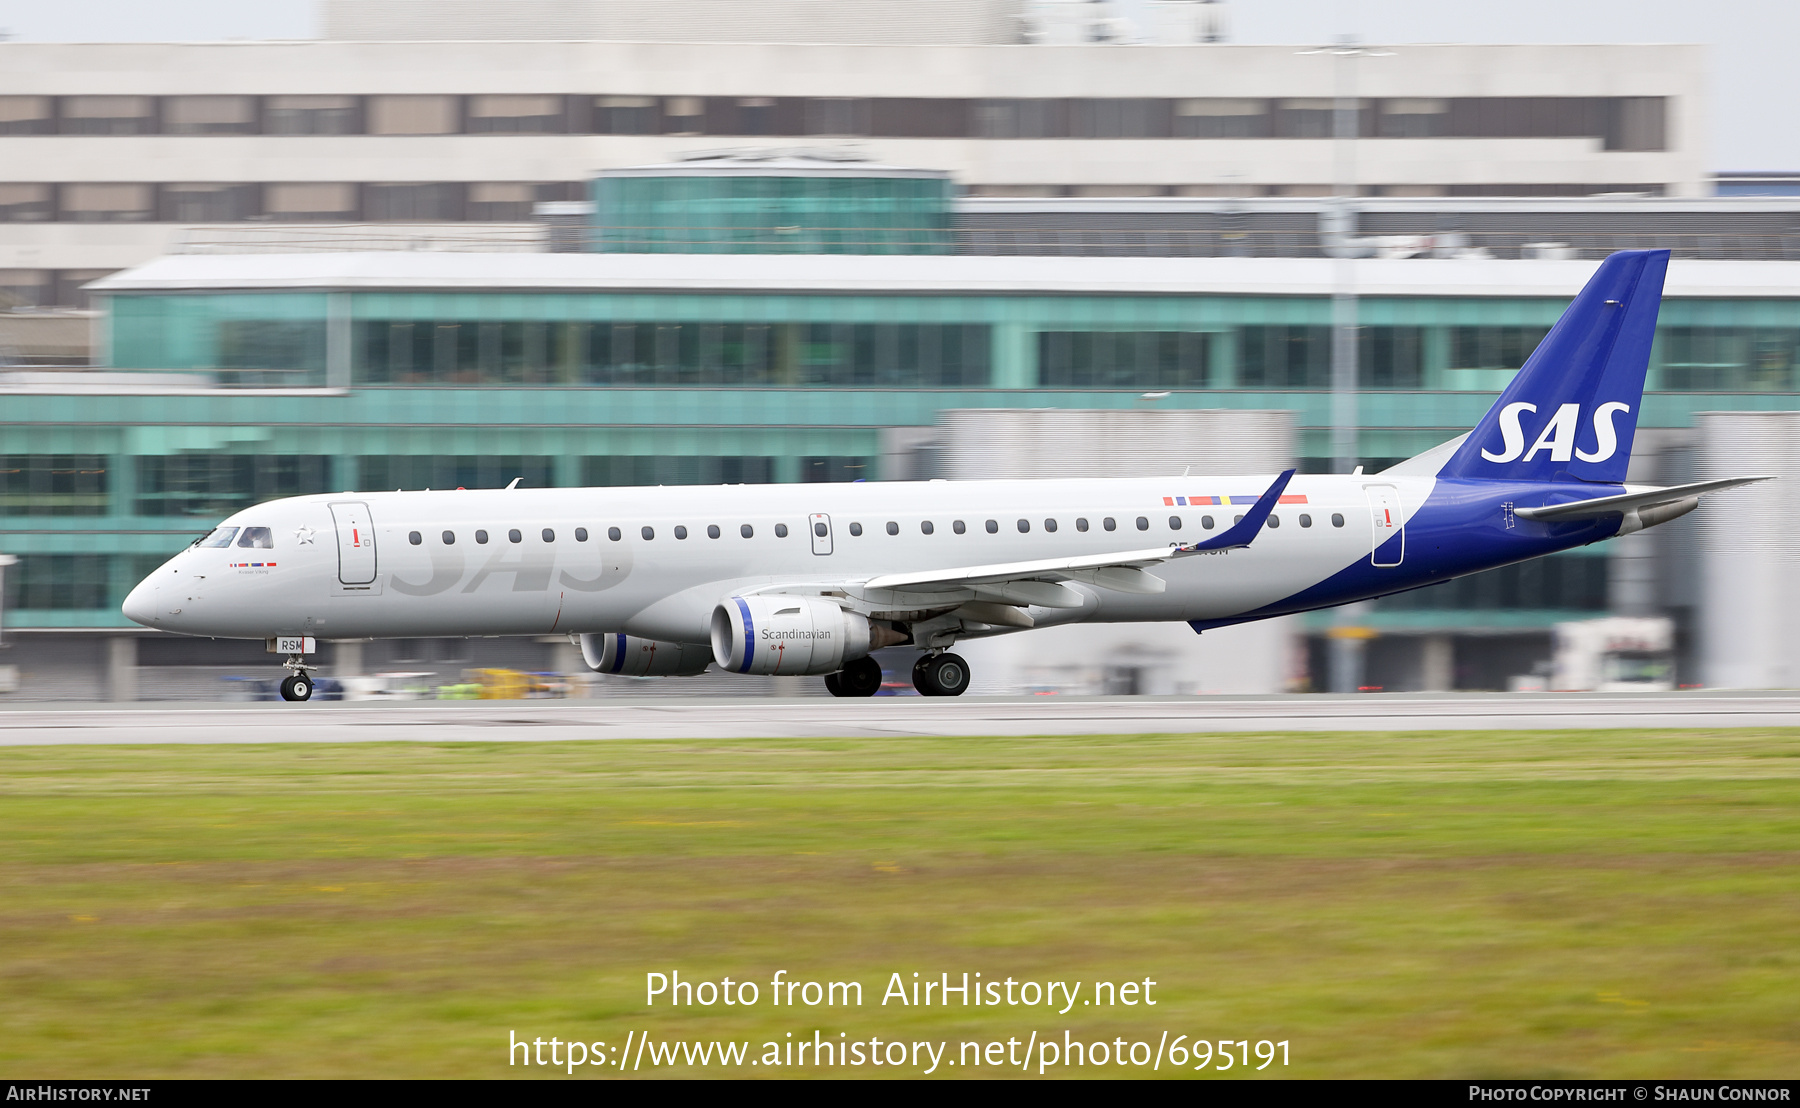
1558 436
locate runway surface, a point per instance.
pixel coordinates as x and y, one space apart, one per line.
769 718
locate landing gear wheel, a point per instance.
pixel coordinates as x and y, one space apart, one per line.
834 685
297 687
860 678
941 675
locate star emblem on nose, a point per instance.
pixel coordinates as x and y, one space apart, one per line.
305 535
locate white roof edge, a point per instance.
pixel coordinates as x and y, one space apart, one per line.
916 274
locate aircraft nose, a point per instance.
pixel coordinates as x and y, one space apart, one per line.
140 604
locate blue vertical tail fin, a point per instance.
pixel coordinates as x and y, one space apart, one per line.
1571 412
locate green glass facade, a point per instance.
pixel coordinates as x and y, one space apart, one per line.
808 340
746 213
440 389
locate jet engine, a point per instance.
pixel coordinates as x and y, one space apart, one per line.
630 656
792 635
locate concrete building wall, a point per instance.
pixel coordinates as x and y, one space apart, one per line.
1750 605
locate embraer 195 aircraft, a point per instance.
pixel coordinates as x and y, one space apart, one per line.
809 579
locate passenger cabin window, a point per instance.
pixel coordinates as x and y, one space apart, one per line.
415 538
1337 519
1049 525
1081 523
855 528
514 536
1206 522
959 527
680 532
781 530
1024 526
747 531
1305 520
613 534
649 533
549 535
1143 523
925 527
221 536
993 527
1274 521
449 538
1110 523
581 534
481 538
893 528
712 531
1174 523
259 538
820 529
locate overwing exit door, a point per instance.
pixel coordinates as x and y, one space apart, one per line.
1387 543
820 526
356 543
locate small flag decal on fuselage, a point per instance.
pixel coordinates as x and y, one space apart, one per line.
1200 501
252 565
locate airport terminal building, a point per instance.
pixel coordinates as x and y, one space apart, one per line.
347 264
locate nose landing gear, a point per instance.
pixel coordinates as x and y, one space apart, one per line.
298 685
943 674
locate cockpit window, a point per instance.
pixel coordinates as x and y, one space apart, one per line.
221 536
259 537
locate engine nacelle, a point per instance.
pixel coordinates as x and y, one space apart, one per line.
630 656
791 635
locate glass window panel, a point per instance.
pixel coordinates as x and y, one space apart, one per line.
26 115
1220 117
833 115
216 484
108 203
108 115
311 115
1123 359
1730 359
405 471
53 484
627 115
61 582
1284 356
412 115
310 201
26 203
209 203
209 115
516 114
414 202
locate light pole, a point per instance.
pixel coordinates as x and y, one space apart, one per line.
1338 235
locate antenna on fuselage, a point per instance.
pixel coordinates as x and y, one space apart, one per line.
515 482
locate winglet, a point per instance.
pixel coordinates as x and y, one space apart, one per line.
1240 533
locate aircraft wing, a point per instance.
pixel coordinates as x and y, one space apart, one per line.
1606 505
1122 571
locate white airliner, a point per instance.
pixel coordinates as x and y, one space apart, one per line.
808 579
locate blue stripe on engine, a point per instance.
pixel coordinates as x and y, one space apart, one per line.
619 656
749 634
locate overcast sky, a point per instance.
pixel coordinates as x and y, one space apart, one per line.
1755 86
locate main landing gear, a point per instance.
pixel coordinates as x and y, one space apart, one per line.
860 678
298 685
943 674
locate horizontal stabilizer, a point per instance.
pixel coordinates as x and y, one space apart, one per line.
1608 505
